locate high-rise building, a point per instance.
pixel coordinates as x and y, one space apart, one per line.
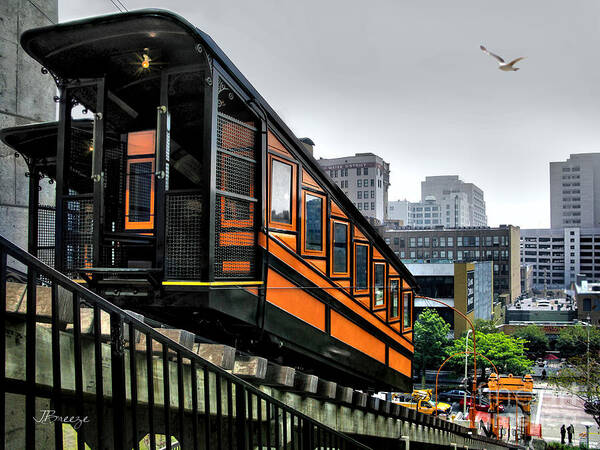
364 178
26 96
575 191
462 203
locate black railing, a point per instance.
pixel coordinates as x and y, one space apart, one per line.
119 382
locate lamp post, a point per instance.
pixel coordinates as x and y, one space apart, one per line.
466 356
587 377
472 409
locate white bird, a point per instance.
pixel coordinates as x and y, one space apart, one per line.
503 65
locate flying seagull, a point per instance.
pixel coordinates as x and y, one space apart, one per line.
503 65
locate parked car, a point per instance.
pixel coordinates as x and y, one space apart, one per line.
454 395
480 405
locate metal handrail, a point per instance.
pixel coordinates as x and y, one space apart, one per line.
307 428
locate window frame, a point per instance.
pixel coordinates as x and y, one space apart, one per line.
332 246
411 304
293 197
367 266
384 304
307 251
149 224
398 282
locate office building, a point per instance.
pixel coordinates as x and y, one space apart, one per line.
365 179
462 203
499 245
575 191
425 214
467 287
398 212
559 254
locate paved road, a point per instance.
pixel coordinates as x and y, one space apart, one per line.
554 408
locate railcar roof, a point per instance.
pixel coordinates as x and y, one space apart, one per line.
90 48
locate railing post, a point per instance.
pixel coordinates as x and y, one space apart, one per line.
118 379
240 412
30 360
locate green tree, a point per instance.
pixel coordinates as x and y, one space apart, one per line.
506 352
572 341
485 326
431 340
536 341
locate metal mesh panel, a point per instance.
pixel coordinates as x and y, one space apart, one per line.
114 183
235 175
235 238
78 229
46 235
235 136
235 230
185 243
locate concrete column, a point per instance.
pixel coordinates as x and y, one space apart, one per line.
26 96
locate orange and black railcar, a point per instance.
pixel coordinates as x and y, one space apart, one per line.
181 194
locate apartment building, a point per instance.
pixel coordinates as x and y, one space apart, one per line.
365 179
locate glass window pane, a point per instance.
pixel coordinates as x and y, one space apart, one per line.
362 259
314 222
379 283
340 248
140 191
281 192
406 313
394 298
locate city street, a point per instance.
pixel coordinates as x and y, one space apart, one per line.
554 408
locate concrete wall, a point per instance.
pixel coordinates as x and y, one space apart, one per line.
26 96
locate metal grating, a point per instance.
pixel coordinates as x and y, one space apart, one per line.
235 136
235 238
185 245
46 234
235 226
235 175
78 229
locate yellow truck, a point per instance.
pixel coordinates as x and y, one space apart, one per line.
422 400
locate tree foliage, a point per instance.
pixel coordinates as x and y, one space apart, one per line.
572 341
485 326
431 340
536 340
506 352
582 380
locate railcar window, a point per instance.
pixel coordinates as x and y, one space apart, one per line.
394 298
379 284
281 192
362 262
314 222
340 247
406 307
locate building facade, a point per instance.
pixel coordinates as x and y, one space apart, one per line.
498 245
398 212
462 203
26 96
365 179
559 254
575 191
468 287
587 296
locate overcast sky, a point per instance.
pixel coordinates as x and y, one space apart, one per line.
406 80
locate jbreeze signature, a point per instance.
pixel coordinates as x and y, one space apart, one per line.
49 416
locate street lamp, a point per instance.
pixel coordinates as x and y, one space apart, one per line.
466 356
472 409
